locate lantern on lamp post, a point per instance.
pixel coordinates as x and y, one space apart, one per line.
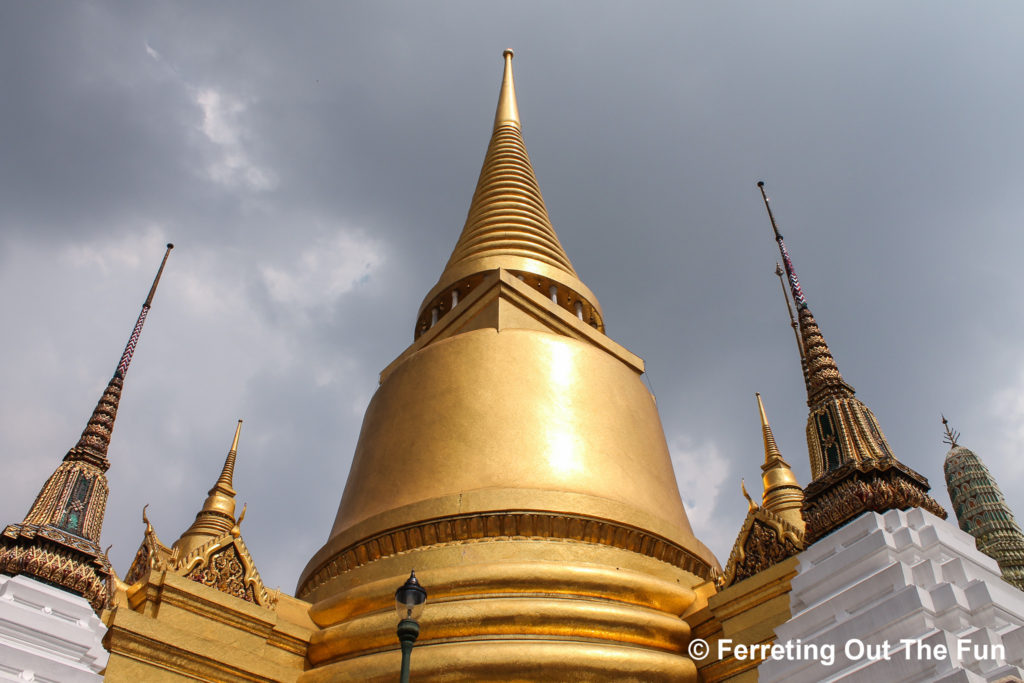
409 600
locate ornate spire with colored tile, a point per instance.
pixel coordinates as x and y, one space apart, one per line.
508 227
211 551
981 509
853 467
58 542
774 530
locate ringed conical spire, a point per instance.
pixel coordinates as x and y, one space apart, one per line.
58 542
508 227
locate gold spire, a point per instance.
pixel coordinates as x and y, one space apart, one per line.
508 225
782 493
508 111
217 516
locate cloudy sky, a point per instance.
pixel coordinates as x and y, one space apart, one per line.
314 163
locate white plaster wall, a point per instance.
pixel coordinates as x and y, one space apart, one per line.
901 575
48 634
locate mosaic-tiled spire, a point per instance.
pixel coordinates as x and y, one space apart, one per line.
982 511
58 542
852 466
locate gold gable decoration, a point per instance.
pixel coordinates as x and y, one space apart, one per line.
765 539
152 554
226 565
211 551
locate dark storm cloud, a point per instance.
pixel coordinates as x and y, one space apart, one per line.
314 164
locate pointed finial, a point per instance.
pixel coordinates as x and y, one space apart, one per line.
217 516
771 451
129 349
95 440
794 283
145 519
951 434
751 505
224 481
508 111
792 319
236 530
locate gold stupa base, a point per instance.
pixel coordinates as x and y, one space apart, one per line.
510 610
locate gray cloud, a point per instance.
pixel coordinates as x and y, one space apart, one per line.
314 166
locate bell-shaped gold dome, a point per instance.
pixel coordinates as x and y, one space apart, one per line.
514 458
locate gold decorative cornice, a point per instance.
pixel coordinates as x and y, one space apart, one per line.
844 493
504 524
508 225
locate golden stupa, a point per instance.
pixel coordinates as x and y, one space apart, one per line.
513 457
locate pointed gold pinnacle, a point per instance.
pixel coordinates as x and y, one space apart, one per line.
508 111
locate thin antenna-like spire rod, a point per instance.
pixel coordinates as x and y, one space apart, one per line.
792 319
129 349
951 434
794 283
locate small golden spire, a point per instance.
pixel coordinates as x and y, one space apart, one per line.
224 481
217 516
782 493
508 111
771 451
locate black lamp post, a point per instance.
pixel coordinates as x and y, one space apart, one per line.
409 599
